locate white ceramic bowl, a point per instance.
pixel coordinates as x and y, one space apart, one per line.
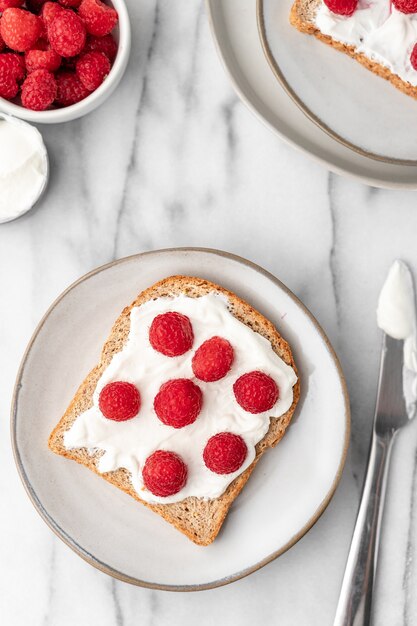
97 97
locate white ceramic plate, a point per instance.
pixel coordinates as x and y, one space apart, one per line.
289 489
348 101
234 27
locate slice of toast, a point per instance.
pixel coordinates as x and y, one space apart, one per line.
302 16
197 518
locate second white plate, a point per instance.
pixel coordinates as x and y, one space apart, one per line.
234 27
353 105
286 494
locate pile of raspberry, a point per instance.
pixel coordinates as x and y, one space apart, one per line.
54 53
179 401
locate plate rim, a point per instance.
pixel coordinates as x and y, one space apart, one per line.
72 543
280 76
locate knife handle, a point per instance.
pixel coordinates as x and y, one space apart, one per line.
355 602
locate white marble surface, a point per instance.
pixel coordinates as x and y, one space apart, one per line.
174 159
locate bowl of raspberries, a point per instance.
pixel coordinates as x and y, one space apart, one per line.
60 59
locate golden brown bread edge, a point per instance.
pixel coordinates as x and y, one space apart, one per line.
302 17
199 519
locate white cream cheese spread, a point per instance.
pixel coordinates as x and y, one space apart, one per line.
23 167
396 316
378 30
128 444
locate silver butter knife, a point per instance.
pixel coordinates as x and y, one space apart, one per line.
355 602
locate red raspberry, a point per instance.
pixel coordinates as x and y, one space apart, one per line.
171 334
105 44
413 57
70 4
2 44
20 29
99 18
213 359
256 392
405 6
225 453
42 59
49 12
35 6
178 402
8 4
70 89
38 90
119 401
67 34
11 72
164 473
92 68
342 7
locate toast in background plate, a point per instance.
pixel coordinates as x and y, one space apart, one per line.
302 17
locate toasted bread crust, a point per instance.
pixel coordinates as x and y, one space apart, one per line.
197 518
302 17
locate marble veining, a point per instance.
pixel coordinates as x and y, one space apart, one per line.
174 158
333 248
410 552
117 607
